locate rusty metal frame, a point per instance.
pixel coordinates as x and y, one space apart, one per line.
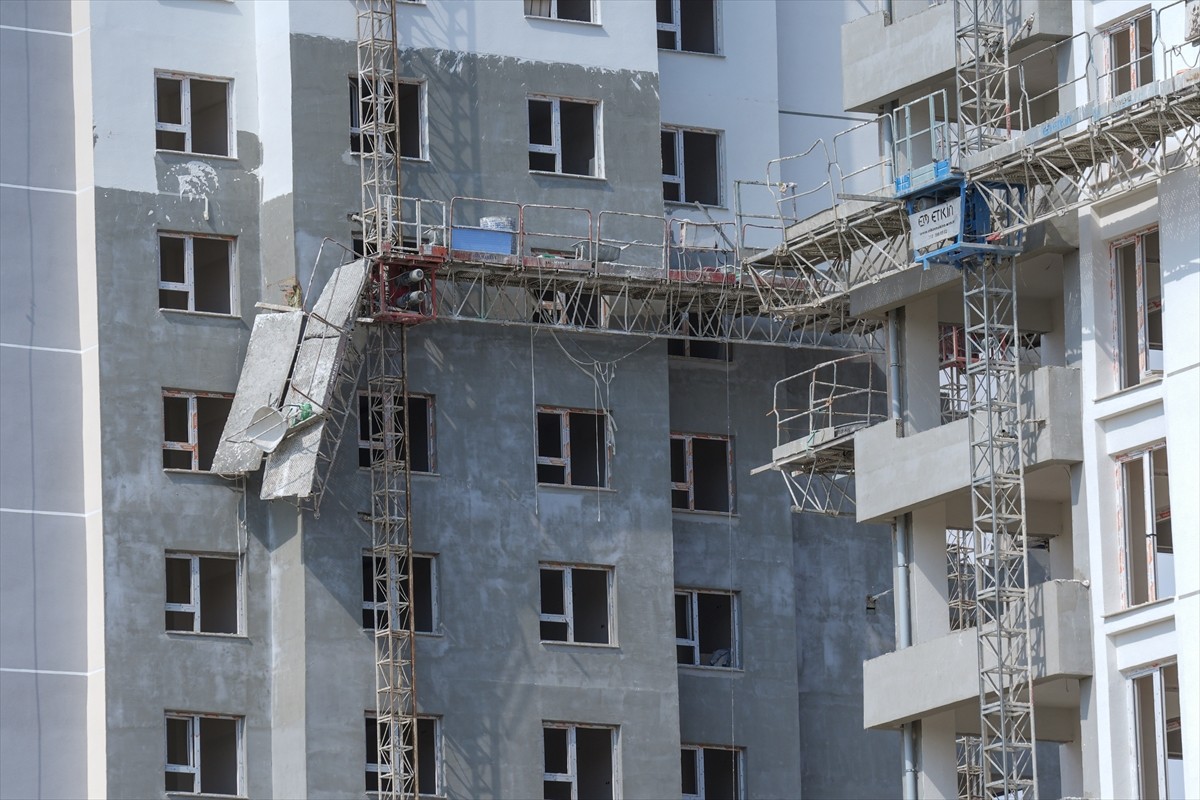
192 445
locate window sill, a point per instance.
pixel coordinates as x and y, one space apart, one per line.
590 645
178 471
592 23
690 52
1137 616
699 512
576 488
159 151
209 314
599 178
208 635
1131 398
409 159
427 634
700 669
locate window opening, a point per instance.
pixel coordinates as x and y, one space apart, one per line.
688 25
579 762
711 773
705 629
418 425
1139 308
960 558
563 136
429 756
195 273
1159 732
699 323
191 114
202 593
204 754
577 10
576 604
968 751
192 426
691 166
701 473
404 119
1131 55
573 447
423 601
1149 557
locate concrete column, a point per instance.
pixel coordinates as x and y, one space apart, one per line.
919 345
930 588
939 762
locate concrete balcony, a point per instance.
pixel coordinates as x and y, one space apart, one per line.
1062 653
894 474
914 54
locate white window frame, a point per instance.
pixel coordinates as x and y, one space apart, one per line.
1149 359
1160 722
689 485
676 28
680 180
568 615
195 753
564 458
373 766
193 607
192 445
555 146
422 114
185 101
189 273
593 14
692 640
396 400
434 610
572 775
739 767
1148 560
1127 25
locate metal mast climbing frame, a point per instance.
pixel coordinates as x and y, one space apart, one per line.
981 73
998 522
387 401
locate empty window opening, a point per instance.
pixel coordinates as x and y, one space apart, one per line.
711 773
192 115
701 473
423 602
563 136
580 308
579 762
691 166
402 126
204 754
428 756
1159 732
1149 552
576 605
688 25
195 273
699 323
202 593
1139 304
577 10
1131 54
375 438
572 447
706 629
192 426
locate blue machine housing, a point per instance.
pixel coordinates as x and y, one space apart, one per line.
977 237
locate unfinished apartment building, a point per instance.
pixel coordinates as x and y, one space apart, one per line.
472 516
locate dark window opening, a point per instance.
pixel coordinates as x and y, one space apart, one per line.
203 754
192 115
704 629
701 168
416 425
572 447
575 605
1139 308
202 594
577 10
402 121
562 136
701 473
688 25
424 595
427 756
195 274
578 763
697 323
192 427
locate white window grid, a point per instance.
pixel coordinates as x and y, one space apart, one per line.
422 112
571 776
568 615
194 754
185 100
378 608
1143 458
689 484
673 27
691 637
551 8
192 445
738 788
563 459
193 606
555 147
1159 722
189 269
372 762
676 133
396 401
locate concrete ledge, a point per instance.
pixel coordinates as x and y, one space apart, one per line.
1061 647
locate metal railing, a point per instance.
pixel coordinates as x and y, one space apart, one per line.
838 398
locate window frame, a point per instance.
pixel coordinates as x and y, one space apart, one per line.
564 458
593 12
693 628
1143 306
1161 724
374 607
373 766
192 445
184 126
1150 519
675 26
355 130
189 276
680 179
555 146
572 775
1128 24
568 615
195 752
690 484
739 783
194 606
400 411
